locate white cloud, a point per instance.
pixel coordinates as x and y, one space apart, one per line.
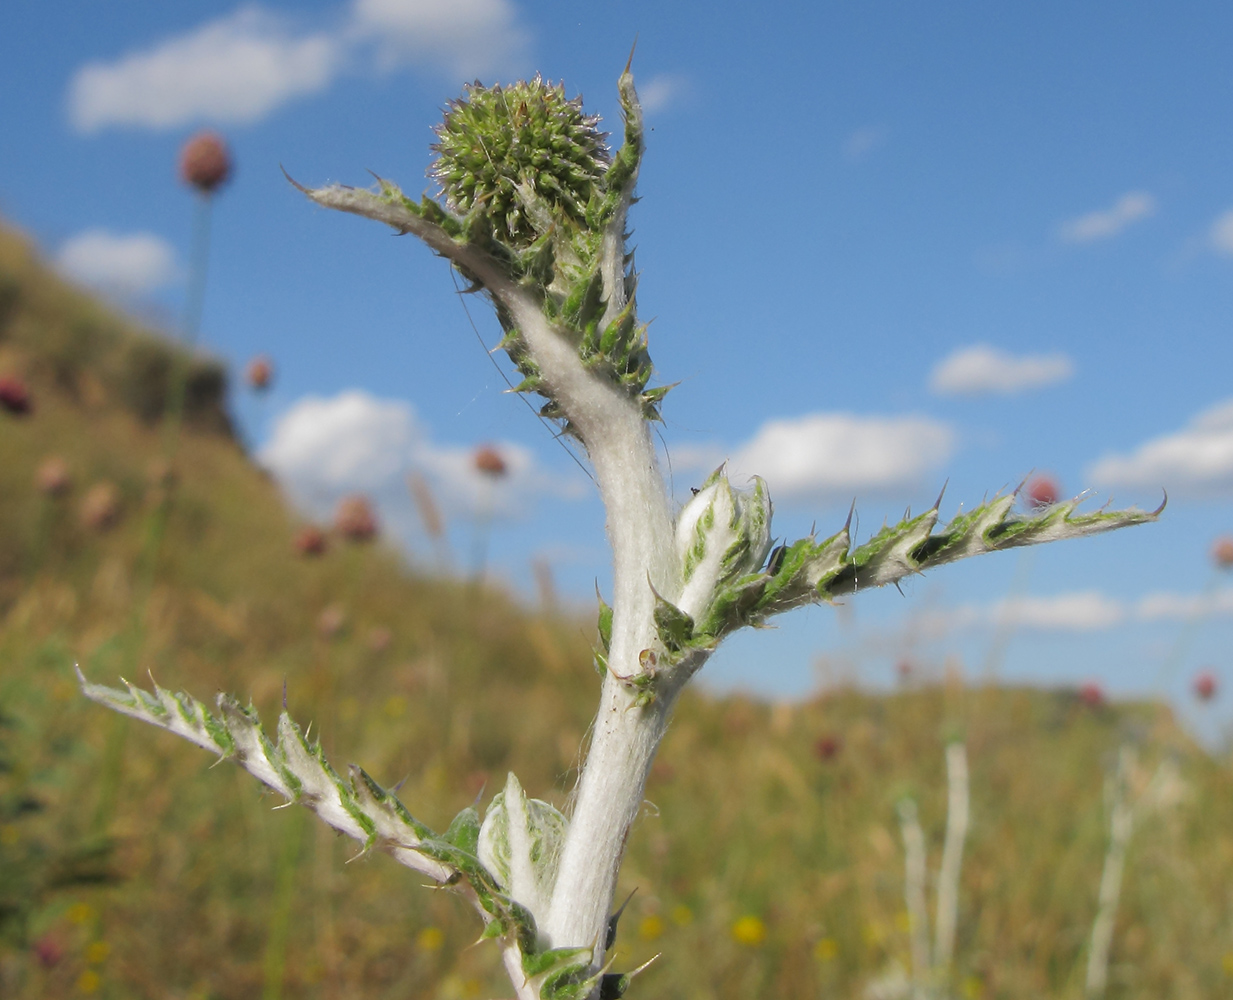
240 68
824 456
864 141
467 37
1080 611
1101 225
234 70
983 370
322 449
1222 233
1196 461
1184 607
333 446
131 263
662 90
1083 611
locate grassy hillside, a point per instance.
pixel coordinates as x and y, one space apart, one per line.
769 865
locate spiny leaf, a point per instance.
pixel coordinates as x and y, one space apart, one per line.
559 959
292 766
821 571
463 832
605 622
674 626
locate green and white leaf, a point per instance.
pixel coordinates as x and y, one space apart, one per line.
292 766
811 571
520 843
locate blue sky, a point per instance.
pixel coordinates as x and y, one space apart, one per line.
883 246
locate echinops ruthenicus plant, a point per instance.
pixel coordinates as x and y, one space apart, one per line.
533 213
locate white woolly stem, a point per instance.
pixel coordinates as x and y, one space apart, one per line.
952 858
618 442
626 736
914 894
1121 826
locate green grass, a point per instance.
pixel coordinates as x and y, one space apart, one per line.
152 875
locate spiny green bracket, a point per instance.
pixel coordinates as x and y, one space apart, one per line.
810 571
535 204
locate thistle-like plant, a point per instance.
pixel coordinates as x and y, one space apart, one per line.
533 213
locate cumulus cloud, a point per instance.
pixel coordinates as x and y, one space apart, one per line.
1222 233
240 68
322 449
127 263
1081 611
1165 606
234 70
864 141
468 37
982 370
352 441
1106 223
825 456
1196 460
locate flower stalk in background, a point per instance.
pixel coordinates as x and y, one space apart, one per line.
931 971
492 469
533 214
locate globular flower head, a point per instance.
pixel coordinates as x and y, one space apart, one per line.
53 477
205 162
1042 492
355 519
259 373
1092 695
1222 553
100 507
14 396
828 747
524 155
49 950
310 541
1205 685
488 461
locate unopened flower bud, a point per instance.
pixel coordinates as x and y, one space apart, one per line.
722 534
